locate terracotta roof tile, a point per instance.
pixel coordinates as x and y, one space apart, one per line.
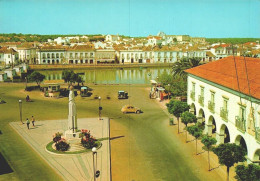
223 72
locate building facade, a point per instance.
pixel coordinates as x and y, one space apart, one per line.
226 99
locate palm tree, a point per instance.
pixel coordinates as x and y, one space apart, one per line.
185 63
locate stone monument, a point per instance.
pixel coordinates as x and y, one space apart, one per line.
72 131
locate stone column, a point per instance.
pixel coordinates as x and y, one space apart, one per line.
208 129
72 117
220 138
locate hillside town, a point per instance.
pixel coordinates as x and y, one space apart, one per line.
115 49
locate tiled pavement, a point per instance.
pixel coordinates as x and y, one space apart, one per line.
70 167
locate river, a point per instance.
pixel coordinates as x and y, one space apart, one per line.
112 76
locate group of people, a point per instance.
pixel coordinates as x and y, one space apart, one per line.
28 122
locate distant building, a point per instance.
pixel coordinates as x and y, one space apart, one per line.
80 54
105 56
51 55
8 56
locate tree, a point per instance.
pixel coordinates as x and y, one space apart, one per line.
176 107
185 63
78 79
247 173
36 77
186 118
196 132
229 154
66 75
208 143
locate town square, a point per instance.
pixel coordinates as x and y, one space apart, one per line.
167 99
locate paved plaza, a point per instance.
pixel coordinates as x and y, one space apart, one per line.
70 166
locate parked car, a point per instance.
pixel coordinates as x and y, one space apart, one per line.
130 109
122 95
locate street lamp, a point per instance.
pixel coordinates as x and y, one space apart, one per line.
99 108
94 151
25 83
20 108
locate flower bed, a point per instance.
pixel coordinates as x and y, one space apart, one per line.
87 140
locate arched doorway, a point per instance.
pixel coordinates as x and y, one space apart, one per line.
257 156
211 130
193 109
224 136
241 141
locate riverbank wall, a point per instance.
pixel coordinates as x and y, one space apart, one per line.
92 66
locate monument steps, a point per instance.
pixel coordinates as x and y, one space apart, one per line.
76 147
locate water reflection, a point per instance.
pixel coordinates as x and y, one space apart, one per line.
113 76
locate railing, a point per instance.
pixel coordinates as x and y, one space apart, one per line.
224 114
240 123
192 95
201 100
257 134
211 106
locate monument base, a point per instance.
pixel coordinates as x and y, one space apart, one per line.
72 137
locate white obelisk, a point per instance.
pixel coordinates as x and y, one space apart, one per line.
72 117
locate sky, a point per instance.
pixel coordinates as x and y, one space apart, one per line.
199 18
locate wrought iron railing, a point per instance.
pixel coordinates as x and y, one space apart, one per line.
224 113
211 106
240 123
192 95
201 100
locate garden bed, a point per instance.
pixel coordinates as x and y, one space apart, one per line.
51 148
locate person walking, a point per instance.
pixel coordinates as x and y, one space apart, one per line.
33 120
28 123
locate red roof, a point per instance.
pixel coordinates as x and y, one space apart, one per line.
223 72
221 45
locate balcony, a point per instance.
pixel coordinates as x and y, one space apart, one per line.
240 124
201 100
192 95
257 134
211 106
224 114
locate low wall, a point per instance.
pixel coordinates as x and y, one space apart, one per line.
92 66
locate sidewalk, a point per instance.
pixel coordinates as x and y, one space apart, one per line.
213 158
74 167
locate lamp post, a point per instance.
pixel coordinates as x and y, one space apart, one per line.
94 151
20 108
99 108
25 83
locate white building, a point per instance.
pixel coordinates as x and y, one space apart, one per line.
154 40
131 56
62 40
51 55
225 96
8 56
112 38
80 54
27 53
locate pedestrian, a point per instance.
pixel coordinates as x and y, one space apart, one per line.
33 120
28 123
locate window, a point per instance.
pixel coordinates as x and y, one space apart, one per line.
86 54
225 103
202 91
193 87
242 112
48 55
212 97
71 55
8 56
76 55
61 55
57 55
